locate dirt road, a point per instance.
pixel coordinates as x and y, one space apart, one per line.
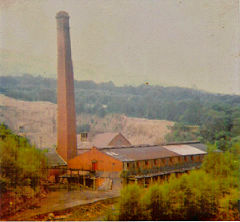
62 200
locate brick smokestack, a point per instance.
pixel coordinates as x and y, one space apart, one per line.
66 117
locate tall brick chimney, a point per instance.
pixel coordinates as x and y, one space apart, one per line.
66 117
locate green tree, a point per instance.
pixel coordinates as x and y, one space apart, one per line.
130 206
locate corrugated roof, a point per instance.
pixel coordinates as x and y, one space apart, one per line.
139 153
103 139
54 159
200 146
183 149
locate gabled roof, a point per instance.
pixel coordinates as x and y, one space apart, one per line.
138 153
54 159
103 139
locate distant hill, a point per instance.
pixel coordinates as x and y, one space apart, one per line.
37 121
145 101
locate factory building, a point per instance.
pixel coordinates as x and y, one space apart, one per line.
141 163
109 160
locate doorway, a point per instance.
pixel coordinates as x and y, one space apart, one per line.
94 165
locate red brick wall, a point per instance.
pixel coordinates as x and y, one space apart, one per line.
104 162
66 120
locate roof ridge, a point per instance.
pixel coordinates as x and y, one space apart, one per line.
132 146
183 142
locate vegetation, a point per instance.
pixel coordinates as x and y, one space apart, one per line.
182 132
210 193
216 115
23 168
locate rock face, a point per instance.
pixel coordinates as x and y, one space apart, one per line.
66 114
37 121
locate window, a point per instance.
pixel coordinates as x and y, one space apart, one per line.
185 159
163 161
155 162
197 158
138 164
128 165
192 158
84 136
146 162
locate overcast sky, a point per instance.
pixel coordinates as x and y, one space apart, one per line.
189 43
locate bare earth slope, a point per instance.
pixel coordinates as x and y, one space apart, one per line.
37 121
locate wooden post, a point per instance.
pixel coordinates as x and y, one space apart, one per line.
84 181
144 182
151 180
94 184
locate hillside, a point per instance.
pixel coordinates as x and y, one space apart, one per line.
37 120
145 101
217 115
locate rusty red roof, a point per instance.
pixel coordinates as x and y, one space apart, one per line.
139 153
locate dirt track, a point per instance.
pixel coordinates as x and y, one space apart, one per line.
95 211
61 201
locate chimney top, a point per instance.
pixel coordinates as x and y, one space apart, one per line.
62 14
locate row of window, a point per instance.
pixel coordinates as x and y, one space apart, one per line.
171 160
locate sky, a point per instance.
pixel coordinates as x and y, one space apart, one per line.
186 43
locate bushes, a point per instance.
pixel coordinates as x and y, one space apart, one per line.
130 206
23 168
192 197
21 164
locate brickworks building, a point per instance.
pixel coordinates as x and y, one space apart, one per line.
142 163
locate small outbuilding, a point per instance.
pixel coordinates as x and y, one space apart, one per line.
56 165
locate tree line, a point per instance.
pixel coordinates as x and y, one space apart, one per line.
217 115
